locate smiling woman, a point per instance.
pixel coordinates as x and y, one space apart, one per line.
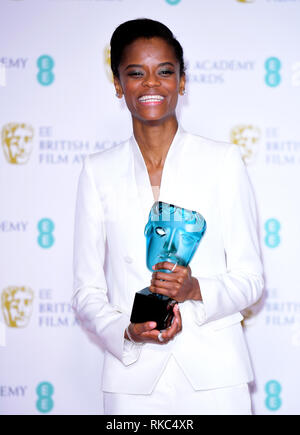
149 78
202 356
149 73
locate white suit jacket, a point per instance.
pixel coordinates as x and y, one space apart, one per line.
113 204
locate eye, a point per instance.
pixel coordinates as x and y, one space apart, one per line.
166 72
160 231
135 74
187 239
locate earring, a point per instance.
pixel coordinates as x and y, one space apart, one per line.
183 92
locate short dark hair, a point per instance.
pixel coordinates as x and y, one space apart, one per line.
128 32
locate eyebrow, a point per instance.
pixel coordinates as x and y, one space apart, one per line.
134 65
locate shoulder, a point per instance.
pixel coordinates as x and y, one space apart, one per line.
110 161
206 144
209 149
115 153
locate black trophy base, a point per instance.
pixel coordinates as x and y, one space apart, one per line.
152 307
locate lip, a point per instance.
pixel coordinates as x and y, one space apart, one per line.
169 259
151 99
152 94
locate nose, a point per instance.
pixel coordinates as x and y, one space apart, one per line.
170 245
151 80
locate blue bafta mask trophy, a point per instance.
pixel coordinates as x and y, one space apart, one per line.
172 234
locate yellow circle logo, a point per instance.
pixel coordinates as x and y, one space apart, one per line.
17 304
106 55
247 138
17 142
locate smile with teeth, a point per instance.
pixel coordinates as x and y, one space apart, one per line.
151 99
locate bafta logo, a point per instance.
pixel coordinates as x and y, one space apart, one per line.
247 138
107 63
17 142
17 304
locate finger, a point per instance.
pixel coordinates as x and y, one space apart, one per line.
163 276
177 315
162 291
167 288
140 328
169 333
157 283
175 327
175 282
165 265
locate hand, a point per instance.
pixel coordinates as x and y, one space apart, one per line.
146 332
179 284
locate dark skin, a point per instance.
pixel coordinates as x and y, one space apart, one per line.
149 67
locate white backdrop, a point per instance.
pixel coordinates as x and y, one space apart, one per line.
57 104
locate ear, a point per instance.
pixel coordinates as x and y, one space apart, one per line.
182 84
118 87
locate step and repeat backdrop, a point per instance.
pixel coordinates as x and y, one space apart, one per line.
58 104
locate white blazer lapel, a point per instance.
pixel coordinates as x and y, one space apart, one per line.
170 184
142 180
172 180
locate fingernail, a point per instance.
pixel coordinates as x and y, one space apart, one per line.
152 324
153 267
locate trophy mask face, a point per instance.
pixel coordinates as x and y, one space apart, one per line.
173 234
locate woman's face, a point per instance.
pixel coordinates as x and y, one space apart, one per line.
150 79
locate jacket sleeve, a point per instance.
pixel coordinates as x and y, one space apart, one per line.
90 301
242 284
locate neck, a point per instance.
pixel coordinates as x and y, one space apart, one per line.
154 140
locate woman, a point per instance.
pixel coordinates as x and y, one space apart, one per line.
202 357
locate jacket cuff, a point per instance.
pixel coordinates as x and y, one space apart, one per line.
131 352
112 337
199 312
210 300
193 311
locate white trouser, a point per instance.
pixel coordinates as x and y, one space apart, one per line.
174 395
